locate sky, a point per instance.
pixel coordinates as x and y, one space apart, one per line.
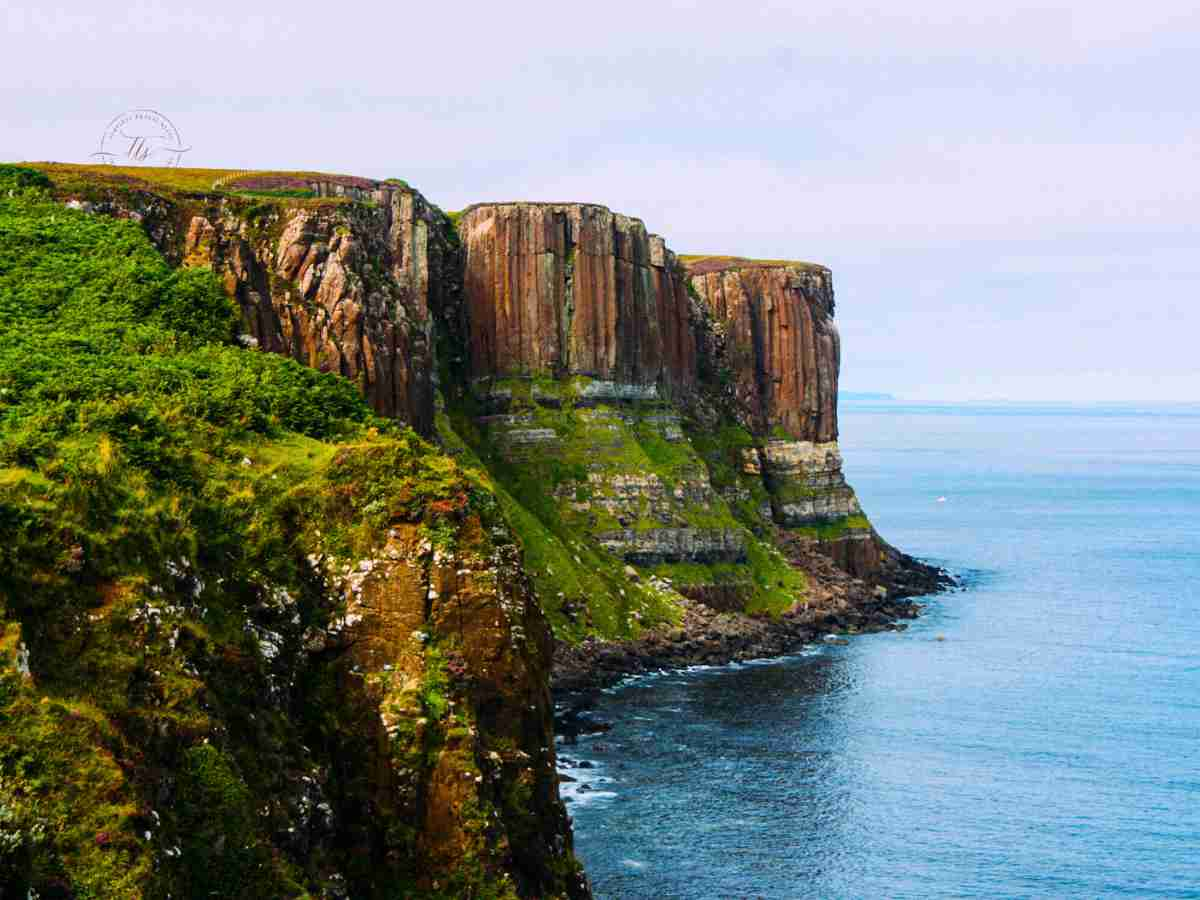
1007 193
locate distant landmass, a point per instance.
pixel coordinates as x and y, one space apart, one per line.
865 395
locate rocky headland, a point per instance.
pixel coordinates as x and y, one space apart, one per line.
344 493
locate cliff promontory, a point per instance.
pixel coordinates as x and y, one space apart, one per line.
310 493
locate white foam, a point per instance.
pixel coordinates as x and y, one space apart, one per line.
591 775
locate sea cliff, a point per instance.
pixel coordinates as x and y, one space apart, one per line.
311 491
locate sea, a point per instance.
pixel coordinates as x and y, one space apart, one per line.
1034 734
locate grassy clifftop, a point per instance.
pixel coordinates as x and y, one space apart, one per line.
83 179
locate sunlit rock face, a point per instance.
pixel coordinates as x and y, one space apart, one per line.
773 340
573 288
775 322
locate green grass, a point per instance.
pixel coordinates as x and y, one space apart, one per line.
282 193
160 490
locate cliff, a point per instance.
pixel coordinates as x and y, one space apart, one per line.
254 640
773 338
271 639
341 274
572 288
775 321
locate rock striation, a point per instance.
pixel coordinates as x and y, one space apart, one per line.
573 288
773 340
345 288
775 336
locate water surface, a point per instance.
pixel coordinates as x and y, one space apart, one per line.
1037 735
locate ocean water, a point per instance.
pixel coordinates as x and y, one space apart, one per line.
1034 735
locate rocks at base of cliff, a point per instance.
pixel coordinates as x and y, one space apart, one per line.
838 603
709 637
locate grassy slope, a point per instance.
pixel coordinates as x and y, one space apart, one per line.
570 569
162 495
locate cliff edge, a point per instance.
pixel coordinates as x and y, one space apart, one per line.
309 491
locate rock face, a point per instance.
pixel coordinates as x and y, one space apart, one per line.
474 770
348 280
780 344
574 288
344 288
772 338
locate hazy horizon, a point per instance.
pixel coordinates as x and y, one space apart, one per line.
1006 194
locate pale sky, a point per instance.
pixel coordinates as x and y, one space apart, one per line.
1007 193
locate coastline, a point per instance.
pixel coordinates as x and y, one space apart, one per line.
845 606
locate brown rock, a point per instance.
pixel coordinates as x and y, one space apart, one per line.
780 342
497 742
574 288
349 288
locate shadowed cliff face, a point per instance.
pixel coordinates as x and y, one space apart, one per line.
574 289
347 289
779 342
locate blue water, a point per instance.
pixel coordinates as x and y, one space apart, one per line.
1036 735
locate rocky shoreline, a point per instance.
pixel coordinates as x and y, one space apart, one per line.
839 605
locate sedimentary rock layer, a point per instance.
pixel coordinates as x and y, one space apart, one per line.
574 288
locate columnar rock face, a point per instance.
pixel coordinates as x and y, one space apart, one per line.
780 343
773 338
574 288
350 288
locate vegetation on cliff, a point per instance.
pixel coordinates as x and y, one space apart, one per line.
242 619
259 637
